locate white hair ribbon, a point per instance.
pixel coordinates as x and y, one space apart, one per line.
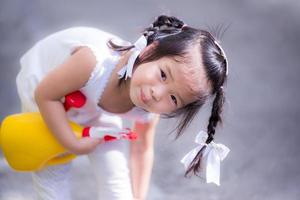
140 44
213 154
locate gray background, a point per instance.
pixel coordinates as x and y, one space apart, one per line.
262 109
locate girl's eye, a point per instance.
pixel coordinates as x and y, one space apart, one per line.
174 99
162 74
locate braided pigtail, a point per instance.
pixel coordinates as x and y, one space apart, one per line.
117 47
214 119
162 27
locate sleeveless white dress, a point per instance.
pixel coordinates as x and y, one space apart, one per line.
109 160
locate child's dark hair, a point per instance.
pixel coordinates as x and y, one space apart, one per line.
174 39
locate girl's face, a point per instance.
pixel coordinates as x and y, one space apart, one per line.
165 85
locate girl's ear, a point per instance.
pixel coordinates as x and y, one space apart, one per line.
148 50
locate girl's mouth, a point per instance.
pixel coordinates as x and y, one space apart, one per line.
143 97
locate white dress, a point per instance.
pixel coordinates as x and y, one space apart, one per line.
109 160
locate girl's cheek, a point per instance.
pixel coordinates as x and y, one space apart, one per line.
164 107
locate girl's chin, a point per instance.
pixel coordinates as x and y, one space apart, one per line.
139 104
142 106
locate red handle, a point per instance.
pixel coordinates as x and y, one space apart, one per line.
75 99
128 135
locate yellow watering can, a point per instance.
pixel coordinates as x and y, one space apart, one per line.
28 144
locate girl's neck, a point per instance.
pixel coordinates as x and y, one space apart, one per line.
122 91
125 87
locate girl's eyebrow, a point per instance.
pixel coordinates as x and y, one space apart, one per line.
169 72
172 78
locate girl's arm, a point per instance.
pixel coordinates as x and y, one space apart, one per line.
70 76
141 157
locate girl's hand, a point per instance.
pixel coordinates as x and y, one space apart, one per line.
86 145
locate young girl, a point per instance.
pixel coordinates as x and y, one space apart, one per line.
171 70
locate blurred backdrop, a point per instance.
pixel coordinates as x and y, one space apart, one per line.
262 111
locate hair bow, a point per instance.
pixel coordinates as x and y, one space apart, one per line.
140 44
213 154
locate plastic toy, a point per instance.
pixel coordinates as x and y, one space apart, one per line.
28 144
75 99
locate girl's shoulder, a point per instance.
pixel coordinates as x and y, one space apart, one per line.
85 30
91 32
75 35
95 38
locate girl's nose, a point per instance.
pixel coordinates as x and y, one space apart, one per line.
158 92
